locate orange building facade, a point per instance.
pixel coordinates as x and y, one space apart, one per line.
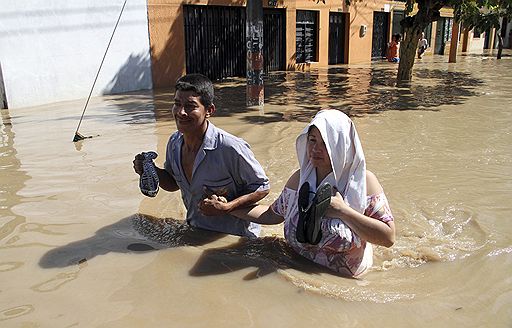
208 36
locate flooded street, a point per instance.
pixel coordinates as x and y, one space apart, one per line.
82 247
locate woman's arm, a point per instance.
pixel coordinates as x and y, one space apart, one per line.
262 214
369 229
215 205
256 213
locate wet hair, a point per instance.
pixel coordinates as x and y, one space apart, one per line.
311 128
200 84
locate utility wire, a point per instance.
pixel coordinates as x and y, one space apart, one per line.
78 136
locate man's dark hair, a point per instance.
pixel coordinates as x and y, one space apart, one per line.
198 83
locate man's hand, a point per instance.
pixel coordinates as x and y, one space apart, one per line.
137 163
214 205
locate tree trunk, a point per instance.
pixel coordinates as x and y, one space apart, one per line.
408 49
500 46
454 43
428 11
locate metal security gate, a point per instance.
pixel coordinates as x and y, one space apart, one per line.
380 34
215 41
306 37
336 38
274 39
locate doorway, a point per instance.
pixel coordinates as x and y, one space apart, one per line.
337 38
443 34
380 34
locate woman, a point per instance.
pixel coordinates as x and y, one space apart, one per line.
336 231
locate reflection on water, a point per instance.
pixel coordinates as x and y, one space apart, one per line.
81 246
16 312
9 166
355 91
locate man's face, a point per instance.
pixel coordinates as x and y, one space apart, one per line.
190 114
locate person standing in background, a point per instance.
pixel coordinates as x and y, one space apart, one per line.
422 45
394 49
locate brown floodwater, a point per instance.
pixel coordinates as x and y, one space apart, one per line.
82 247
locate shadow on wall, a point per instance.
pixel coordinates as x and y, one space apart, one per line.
135 74
173 53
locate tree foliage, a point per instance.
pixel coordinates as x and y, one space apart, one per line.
483 14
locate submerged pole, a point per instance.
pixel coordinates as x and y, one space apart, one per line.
254 38
452 58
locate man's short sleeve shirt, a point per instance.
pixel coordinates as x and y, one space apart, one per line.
225 166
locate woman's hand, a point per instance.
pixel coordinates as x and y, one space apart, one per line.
214 205
367 228
337 205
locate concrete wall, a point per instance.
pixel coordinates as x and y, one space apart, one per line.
51 50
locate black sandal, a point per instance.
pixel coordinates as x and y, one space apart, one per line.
320 205
310 214
304 212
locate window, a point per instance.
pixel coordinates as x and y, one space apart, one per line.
307 36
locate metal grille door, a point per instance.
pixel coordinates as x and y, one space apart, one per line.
380 34
215 41
274 40
336 38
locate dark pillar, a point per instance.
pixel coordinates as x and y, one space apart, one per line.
254 37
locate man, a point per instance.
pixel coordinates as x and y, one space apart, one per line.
422 45
394 48
203 161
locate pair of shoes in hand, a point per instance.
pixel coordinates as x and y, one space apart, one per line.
311 213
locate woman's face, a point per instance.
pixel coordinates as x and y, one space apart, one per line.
317 152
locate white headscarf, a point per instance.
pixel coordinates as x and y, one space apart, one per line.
346 154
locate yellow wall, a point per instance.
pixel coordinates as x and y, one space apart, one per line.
361 13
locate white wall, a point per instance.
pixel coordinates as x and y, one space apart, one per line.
51 50
476 45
